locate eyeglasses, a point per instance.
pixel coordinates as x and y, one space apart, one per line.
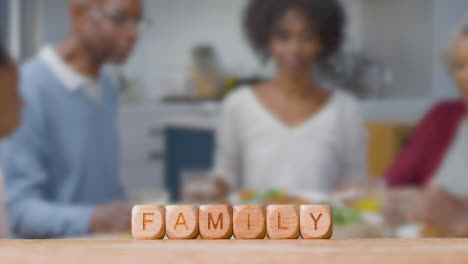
120 19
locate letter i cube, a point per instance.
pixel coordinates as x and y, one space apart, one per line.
249 222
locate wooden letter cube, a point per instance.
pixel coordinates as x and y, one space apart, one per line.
283 221
215 221
181 221
316 221
148 222
249 222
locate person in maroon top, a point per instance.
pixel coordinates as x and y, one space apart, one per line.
425 151
430 156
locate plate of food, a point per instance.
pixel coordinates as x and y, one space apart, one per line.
354 216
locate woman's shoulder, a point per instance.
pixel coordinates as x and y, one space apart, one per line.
448 107
443 114
346 101
344 96
237 97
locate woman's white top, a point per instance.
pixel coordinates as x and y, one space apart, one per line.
256 150
452 175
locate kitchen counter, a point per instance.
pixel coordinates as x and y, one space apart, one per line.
235 251
204 115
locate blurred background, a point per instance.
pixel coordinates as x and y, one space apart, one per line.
169 103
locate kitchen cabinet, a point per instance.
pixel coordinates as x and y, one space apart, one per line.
143 147
187 149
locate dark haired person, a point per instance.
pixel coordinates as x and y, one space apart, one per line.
61 165
431 172
291 132
10 108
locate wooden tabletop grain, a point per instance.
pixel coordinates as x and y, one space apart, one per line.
235 251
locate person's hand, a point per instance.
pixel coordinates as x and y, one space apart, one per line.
431 205
444 212
403 205
218 190
114 217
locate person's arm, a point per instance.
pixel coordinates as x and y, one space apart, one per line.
227 158
406 169
354 147
25 169
444 211
431 205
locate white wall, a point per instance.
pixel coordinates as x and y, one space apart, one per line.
178 25
448 15
410 36
181 24
163 53
398 33
407 35
353 9
54 21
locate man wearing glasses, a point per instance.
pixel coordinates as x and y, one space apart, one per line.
61 166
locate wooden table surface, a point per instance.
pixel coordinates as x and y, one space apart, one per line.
378 251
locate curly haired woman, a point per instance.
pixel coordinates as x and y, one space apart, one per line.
291 132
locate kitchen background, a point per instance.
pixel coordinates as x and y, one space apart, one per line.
165 103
